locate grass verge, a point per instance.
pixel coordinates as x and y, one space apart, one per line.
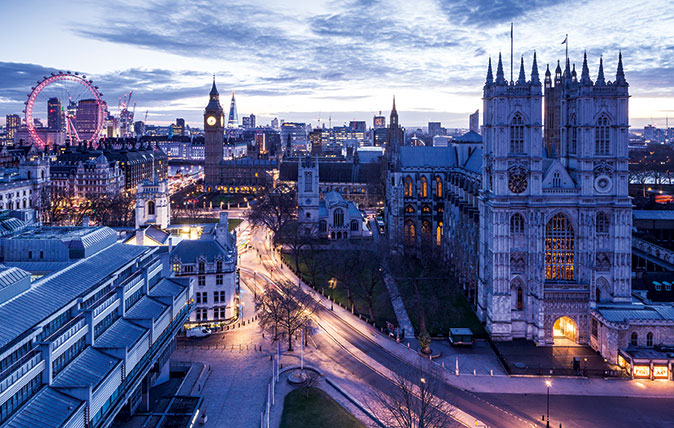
318 410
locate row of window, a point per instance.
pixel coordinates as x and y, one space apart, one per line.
218 313
11 194
634 339
601 135
201 265
602 224
411 231
219 280
20 397
64 359
423 187
202 297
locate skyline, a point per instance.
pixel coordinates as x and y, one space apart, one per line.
340 59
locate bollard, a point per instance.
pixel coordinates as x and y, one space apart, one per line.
474 372
443 364
408 345
491 372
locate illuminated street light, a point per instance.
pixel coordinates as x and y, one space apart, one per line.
332 284
548 384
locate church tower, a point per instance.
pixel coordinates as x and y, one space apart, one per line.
152 203
308 193
214 127
395 136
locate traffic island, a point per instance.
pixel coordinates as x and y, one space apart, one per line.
315 408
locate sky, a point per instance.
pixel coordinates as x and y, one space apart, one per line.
325 60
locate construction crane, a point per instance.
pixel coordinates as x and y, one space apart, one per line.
146 112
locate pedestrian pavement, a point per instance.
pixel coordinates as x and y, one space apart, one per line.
398 306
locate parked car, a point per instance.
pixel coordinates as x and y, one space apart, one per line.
461 337
198 332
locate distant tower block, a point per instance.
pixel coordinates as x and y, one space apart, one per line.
152 203
233 119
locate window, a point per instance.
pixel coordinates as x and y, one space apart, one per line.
649 339
307 181
354 226
218 265
595 328
198 296
520 299
30 254
556 179
338 217
222 296
438 187
218 279
559 249
423 190
202 314
602 225
517 134
573 134
410 232
176 267
202 267
601 136
409 209
216 297
634 339
150 208
409 187
438 234
202 280
323 226
516 224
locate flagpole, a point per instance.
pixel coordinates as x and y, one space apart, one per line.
511 52
567 47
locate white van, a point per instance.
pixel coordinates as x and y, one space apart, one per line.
198 332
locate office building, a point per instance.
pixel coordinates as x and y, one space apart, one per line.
12 125
55 115
474 122
434 129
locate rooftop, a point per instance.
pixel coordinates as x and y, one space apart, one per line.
46 409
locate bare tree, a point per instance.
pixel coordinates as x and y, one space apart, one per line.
294 237
311 380
413 400
285 308
314 259
368 276
273 209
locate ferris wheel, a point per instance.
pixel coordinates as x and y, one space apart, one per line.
64 104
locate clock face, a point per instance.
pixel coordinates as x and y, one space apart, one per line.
211 120
517 181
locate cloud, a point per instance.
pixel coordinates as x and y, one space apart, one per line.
489 12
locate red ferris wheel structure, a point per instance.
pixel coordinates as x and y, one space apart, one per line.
70 89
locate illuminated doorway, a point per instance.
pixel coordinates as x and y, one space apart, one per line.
565 332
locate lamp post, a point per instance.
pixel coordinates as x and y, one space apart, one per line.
332 283
548 384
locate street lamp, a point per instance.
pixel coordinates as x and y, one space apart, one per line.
332 283
548 384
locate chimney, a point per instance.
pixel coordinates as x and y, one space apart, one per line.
221 229
85 221
140 236
224 218
170 244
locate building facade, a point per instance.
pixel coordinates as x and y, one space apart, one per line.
555 232
153 205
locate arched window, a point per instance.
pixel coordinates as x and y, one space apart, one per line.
202 266
218 265
150 208
559 249
410 232
409 209
438 234
520 299
409 187
338 217
323 226
573 135
649 339
354 226
634 339
601 136
423 191
426 209
598 294
426 228
29 173
603 224
438 187
517 134
516 224
556 179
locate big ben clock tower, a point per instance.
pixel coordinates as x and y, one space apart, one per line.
214 126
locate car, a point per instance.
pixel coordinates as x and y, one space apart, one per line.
461 337
198 332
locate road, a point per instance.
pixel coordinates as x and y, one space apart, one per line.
495 410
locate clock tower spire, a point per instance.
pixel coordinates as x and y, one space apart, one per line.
214 126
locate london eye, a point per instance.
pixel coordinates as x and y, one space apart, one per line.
64 106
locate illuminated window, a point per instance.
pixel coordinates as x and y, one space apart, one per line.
634 339
423 191
602 225
649 339
516 224
601 136
409 187
438 187
517 134
410 232
409 209
438 234
559 249
176 267
426 228
660 372
426 209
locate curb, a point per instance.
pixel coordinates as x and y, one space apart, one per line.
355 402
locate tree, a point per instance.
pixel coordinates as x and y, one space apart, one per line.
314 260
311 381
413 400
368 276
285 308
273 209
294 237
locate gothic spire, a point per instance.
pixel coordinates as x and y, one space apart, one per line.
547 71
534 72
522 79
620 74
490 76
600 75
500 79
567 70
585 74
574 75
214 90
394 105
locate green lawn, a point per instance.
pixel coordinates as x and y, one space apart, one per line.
444 304
233 222
383 310
319 410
